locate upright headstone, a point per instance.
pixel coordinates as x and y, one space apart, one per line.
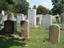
62 21
39 19
62 18
18 18
32 16
3 13
4 18
54 33
24 29
9 27
23 17
54 19
46 21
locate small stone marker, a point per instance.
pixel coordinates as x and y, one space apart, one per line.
54 33
24 29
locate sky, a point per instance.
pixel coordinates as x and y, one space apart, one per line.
45 3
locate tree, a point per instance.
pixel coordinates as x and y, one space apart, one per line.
23 6
3 5
58 6
17 6
42 10
50 12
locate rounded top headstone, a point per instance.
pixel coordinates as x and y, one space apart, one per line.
55 25
54 33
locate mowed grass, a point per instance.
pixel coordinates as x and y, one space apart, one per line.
38 39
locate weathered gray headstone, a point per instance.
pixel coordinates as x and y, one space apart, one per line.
24 29
62 17
54 33
46 20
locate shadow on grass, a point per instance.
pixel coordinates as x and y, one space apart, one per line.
7 42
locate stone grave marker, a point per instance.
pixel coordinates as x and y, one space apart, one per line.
54 33
24 29
32 16
9 27
62 18
46 20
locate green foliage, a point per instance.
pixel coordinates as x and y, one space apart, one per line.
50 12
58 7
17 6
3 5
22 6
42 10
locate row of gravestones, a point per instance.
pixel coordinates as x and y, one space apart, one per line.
10 28
54 30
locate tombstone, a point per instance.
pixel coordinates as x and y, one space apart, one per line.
9 27
3 12
54 33
24 29
18 18
54 19
4 18
62 18
38 20
46 21
23 17
32 16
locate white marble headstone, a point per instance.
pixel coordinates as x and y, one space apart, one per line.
32 16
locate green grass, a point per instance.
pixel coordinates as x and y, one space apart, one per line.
38 39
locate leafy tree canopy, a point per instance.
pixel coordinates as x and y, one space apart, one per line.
17 6
42 10
58 6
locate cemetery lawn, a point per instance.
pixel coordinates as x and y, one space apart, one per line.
38 39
